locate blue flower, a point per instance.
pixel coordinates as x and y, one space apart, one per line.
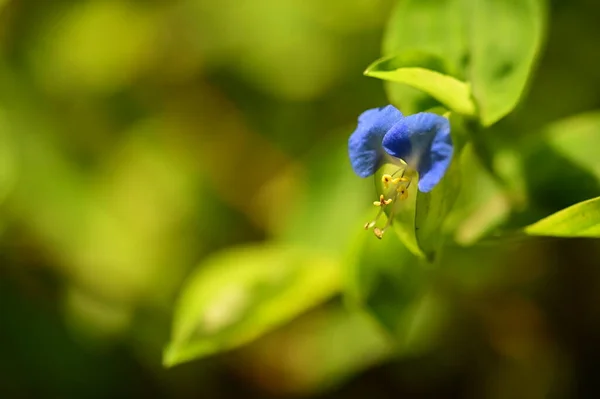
422 141
417 143
364 145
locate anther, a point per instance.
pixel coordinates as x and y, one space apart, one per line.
382 201
399 190
386 179
400 179
403 192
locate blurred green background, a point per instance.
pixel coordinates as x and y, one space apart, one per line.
139 139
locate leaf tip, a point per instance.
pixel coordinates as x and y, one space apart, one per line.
369 71
169 357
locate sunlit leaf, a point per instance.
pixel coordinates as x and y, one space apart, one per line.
491 44
506 37
579 220
429 26
240 294
429 74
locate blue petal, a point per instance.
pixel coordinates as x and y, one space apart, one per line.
364 145
423 141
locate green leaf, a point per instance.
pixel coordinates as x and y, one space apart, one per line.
505 39
579 220
242 293
428 26
492 44
427 73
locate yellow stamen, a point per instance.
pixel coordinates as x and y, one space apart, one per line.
370 224
400 179
386 179
382 201
399 190
402 190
